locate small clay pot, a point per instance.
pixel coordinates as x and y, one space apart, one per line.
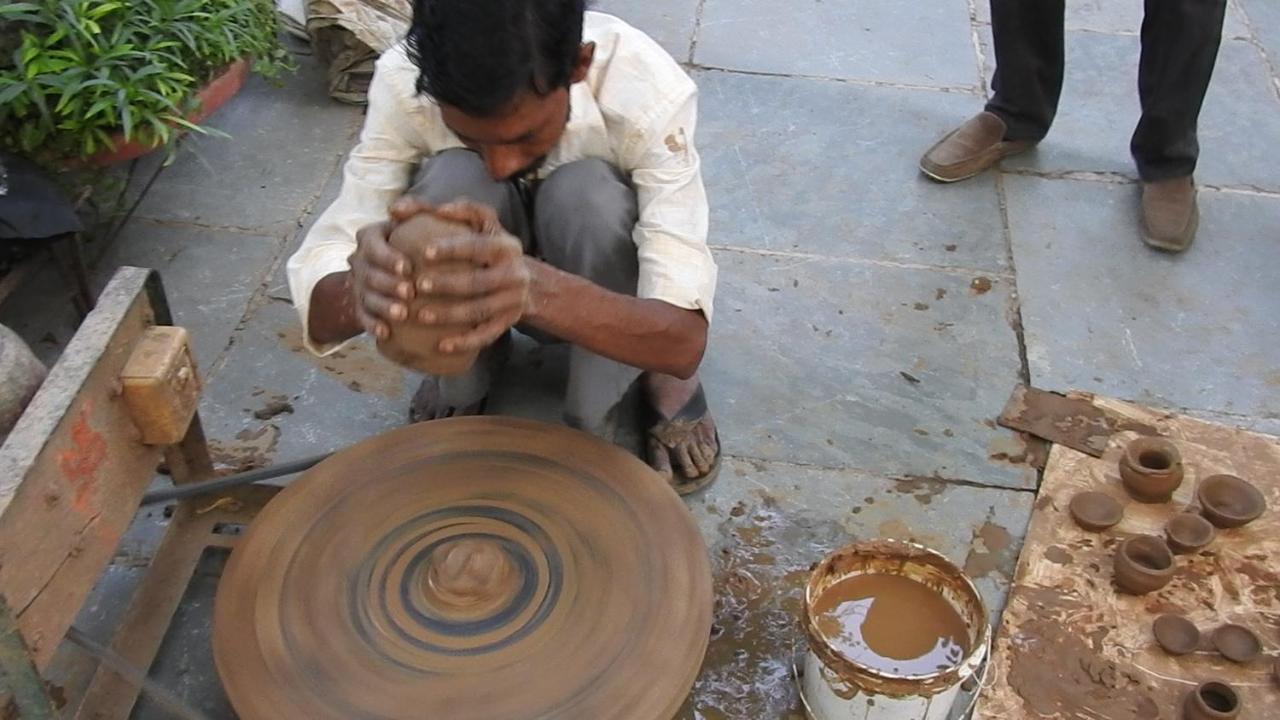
1187 533
1143 564
1176 634
411 343
1151 469
1229 502
1095 511
1214 700
1237 643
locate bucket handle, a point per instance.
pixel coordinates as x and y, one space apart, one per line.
983 682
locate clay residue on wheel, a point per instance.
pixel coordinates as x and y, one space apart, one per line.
251 449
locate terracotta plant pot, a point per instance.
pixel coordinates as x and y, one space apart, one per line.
1229 502
1143 564
411 343
1151 469
1188 533
1095 511
1214 700
1176 634
211 97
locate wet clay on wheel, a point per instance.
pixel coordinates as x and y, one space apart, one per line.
411 343
892 624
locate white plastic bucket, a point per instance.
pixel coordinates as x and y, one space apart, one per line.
834 687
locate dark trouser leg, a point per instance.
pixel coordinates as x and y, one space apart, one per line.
1180 40
584 215
461 175
1029 60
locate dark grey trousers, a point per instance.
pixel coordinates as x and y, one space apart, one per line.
579 220
1180 40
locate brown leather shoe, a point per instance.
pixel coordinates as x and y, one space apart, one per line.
970 149
1170 215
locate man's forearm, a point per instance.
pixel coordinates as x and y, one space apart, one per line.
648 334
331 316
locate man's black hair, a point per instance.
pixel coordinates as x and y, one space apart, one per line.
479 55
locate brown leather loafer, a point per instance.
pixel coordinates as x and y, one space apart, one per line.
970 149
1170 215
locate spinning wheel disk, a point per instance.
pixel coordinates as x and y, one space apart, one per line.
469 569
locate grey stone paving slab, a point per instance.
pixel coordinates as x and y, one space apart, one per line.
767 523
670 22
1100 108
831 168
872 40
1117 16
271 167
848 364
337 401
209 276
1103 313
1264 18
1266 426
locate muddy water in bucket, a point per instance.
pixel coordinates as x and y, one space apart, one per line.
892 623
894 629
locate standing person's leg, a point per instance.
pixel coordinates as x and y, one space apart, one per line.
1180 41
461 175
585 214
1029 51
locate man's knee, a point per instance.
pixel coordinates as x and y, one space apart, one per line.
456 175
586 213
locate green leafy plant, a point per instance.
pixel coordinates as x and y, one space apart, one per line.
76 74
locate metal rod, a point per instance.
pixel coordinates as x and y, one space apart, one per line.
179 492
161 695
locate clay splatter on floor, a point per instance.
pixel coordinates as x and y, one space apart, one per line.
251 449
358 365
991 551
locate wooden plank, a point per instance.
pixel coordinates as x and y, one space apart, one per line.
72 471
1070 646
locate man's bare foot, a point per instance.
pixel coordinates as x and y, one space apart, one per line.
683 444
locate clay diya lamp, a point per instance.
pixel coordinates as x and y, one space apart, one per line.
1095 511
1214 700
411 343
1188 533
1143 564
1229 502
1175 634
1151 469
1237 643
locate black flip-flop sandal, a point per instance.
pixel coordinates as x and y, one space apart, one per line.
668 432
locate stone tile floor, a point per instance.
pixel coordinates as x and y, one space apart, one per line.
871 323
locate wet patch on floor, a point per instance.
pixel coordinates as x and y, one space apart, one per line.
761 567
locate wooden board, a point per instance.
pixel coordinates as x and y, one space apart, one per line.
65 500
1071 647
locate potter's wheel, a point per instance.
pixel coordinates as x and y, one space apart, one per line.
470 569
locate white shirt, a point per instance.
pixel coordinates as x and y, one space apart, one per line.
637 109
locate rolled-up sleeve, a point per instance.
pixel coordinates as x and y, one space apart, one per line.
378 170
676 265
